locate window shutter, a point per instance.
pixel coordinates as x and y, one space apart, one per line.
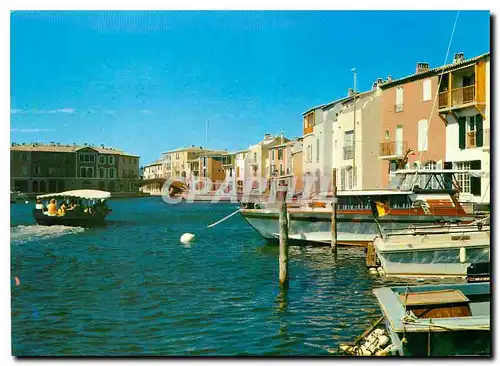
461 132
475 182
479 130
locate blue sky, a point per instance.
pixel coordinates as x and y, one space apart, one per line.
147 82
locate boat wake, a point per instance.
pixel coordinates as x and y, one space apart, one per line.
25 233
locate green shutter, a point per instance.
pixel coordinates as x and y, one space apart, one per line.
479 130
475 182
461 132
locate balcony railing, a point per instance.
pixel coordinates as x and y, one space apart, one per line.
398 108
348 152
471 139
459 96
308 129
393 148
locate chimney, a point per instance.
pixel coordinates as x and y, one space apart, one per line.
422 67
350 92
380 81
266 136
389 78
458 57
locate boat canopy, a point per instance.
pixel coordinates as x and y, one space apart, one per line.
474 173
88 194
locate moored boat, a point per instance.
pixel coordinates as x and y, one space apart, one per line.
88 208
431 254
437 320
416 198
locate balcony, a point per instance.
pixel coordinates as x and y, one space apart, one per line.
459 97
348 152
393 149
398 108
308 129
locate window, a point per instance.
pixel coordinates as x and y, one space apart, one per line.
463 179
423 140
176 156
272 154
309 154
427 89
24 157
101 173
346 178
102 159
111 172
24 171
280 154
124 173
348 145
90 172
111 160
83 172
92 158
387 135
399 99
52 172
317 150
36 170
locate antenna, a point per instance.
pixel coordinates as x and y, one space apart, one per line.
206 128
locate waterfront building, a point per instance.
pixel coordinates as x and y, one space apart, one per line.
46 168
464 107
258 156
241 165
284 164
183 162
328 141
412 134
153 177
354 148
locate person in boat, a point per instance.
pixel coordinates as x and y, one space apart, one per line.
52 208
62 209
39 205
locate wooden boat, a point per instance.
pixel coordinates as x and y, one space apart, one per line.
437 320
415 198
91 209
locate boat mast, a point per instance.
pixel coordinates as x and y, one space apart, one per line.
354 178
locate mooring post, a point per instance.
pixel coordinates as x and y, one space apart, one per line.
283 256
334 211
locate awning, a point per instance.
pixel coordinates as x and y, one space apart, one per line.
79 193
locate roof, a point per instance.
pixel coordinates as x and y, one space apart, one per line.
434 71
157 162
67 148
189 148
80 193
340 100
287 143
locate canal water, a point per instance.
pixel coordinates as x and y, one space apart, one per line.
131 288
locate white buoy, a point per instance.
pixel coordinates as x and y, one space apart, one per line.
187 238
27 202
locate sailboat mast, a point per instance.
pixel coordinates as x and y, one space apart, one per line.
355 176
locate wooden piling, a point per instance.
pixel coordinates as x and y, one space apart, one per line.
371 258
334 211
283 255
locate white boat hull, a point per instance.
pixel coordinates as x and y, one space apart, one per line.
435 255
